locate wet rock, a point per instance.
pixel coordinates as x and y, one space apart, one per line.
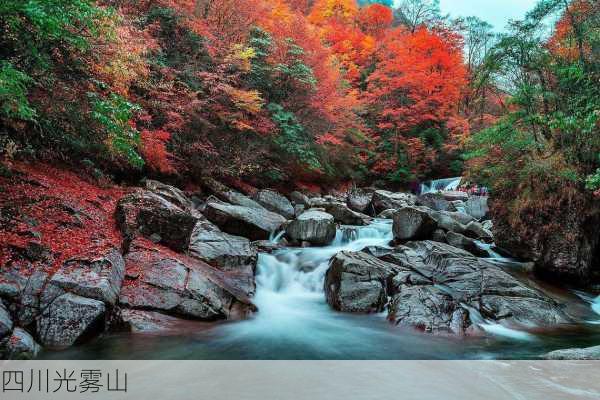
224 251
487 225
589 353
69 319
446 221
148 213
228 195
267 246
387 214
357 282
97 277
435 201
169 193
476 231
477 207
384 200
344 215
315 227
460 217
299 209
439 235
6 323
359 200
252 223
300 199
465 243
413 223
477 284
140 321
19 346
175 284
275 202
429 309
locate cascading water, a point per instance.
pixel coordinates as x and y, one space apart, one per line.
440 184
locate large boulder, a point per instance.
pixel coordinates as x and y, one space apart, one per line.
275 202
315 227
480 288
344 215
435 201
447 221
252 223
150 214
384 200
68 319
20 345
171 283
230 253
359 200
96 277
438 288
454 195
358 282
588 353
169 193
412 223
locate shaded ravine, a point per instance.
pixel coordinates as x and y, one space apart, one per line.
295 322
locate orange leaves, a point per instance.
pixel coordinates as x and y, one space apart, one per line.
155 151
418 80
375 19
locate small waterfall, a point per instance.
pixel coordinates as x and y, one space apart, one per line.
596 305
440 184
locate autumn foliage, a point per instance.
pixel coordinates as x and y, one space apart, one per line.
258 90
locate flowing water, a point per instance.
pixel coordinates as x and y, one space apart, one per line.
440 184
294 321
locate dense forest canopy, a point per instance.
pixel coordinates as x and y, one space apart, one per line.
309 92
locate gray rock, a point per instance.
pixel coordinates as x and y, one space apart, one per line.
435 201
299 209
315 227
437 288
487 225
588 353
358 282
439 236
148 213
228 195
465 243
169 193
19 346
446 221
224 251
429 309
359 200
476 231
477 207
97 277
6 323
252 223
413 223
460 217
387 214
384 200
140 321
68 319
300 199
175 284
275 202
344 215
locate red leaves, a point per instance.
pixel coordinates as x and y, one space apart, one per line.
155 151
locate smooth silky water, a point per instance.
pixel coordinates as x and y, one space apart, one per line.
295 322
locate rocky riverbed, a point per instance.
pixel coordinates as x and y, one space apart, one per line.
299 276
